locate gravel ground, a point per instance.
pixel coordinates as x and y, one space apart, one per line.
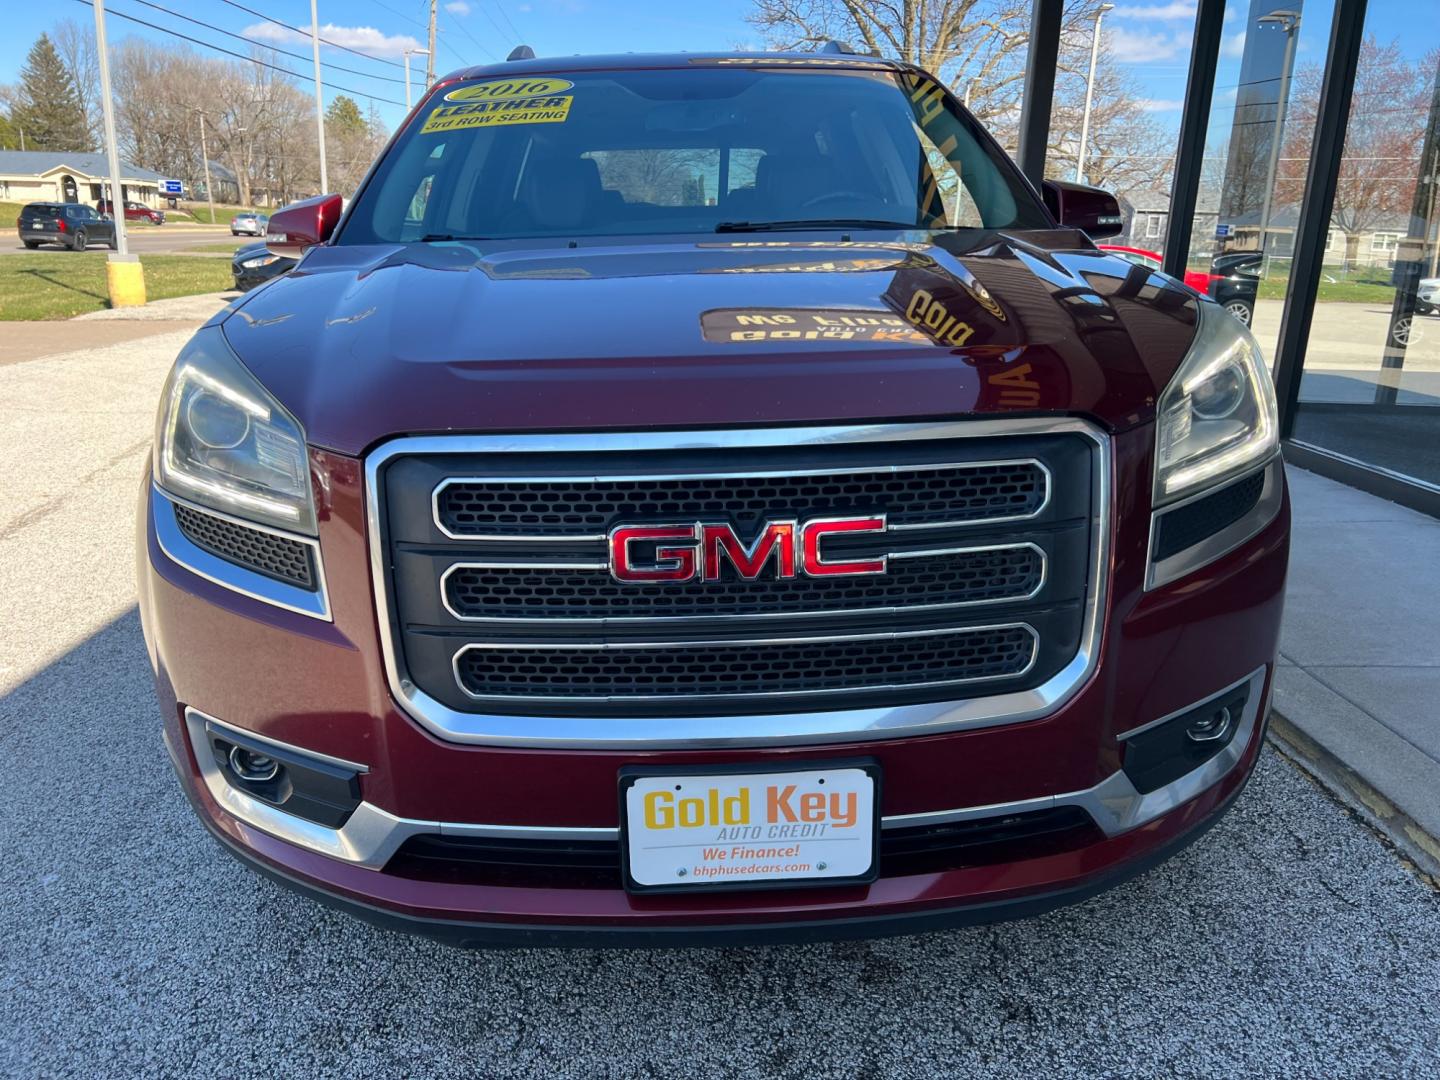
1288 941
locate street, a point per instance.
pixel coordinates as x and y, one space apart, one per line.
1289 941
148 239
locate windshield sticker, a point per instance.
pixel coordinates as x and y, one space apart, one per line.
498 112
509 89
735 325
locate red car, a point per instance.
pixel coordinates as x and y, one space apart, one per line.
134 211
1196 279
709 499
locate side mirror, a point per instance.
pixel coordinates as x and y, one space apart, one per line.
1077 206
302 225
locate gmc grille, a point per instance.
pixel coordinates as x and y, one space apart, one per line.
501 600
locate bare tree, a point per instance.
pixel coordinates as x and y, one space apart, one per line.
1380 165
76 45
979 48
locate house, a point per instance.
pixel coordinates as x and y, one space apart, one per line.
62 176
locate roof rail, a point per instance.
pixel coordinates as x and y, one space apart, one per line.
521 52
837 47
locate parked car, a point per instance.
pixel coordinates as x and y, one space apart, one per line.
1152 260
71 225
249 224
1427 297
1233 279
1235 282
560 555
255 264
134 211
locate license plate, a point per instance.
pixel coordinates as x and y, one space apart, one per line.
720 829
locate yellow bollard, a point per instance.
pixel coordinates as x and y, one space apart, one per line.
126 281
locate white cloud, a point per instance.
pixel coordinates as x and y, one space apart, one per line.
458 7
1234 45
1160 104
1177 9
1138 47
365 39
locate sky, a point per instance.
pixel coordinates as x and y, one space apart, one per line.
1150 37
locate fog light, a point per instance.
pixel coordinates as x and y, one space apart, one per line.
1210 728
253 767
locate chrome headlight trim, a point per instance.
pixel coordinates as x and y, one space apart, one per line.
1217 418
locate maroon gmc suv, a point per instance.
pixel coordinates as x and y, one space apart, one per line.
710 499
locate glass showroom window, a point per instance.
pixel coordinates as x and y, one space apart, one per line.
1370 386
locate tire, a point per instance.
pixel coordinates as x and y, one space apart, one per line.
234 232
1404 332
78 244
32 244
114 242
1242 310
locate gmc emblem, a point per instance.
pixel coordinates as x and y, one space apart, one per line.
695 552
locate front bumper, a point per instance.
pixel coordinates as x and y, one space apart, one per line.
321 686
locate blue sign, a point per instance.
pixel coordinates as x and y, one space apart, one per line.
1222 231
171 187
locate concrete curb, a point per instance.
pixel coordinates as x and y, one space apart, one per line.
1412 842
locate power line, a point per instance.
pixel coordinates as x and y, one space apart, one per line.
237 56
506 16
306 34
267 45
461 27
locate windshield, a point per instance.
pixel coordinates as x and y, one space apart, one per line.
696 150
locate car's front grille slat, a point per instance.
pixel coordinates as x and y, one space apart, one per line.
739 669
981 576
912 497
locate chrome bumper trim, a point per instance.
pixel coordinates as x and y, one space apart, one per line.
183 551
372 835
1227 539
753 730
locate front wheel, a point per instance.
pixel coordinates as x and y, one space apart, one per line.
1403 331
80 241
1242 310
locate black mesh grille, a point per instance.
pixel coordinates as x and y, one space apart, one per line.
274 556
595 864
714 669
1188 525
1007 573
921 496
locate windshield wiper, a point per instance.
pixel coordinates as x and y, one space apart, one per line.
440 238
813 223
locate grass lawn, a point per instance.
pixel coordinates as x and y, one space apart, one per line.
59 284
201 213
228 248
9 211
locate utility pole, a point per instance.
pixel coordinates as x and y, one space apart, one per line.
319 97
123 276
205 161
407 54
1089 93
430 55
1289 24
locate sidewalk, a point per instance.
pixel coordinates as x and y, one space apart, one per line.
1357 693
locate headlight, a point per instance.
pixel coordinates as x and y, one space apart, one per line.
260 260
222 441
1217 417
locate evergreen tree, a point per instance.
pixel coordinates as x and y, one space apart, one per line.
47 103
344 119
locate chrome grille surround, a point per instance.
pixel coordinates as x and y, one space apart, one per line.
818 724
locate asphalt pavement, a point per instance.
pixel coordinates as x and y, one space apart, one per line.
1287 942
147 239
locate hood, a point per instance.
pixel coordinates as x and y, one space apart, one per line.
362 343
